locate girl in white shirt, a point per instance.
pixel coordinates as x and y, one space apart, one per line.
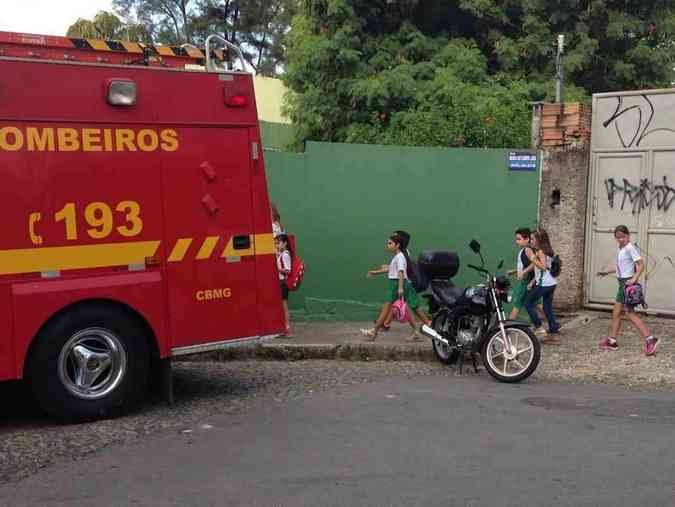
399 287
284 263
542 287
628 268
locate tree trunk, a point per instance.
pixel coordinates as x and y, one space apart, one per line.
187 29
169 12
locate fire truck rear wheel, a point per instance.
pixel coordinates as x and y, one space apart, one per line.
90 363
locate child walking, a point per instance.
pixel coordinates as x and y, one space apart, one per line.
629 267
542 287
524 272
399 287
284 260
405 242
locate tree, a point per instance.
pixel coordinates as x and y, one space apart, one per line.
259 27
106 25
169 21
461 73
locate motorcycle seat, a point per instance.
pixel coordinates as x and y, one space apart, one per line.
448 294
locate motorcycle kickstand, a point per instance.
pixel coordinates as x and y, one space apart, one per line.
473 360
461 361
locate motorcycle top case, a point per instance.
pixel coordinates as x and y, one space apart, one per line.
439 263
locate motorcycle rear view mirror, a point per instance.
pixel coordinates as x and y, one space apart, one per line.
501 264
475 246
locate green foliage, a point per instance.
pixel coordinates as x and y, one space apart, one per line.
258 27
107 25
462 72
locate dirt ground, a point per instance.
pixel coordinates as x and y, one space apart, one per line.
578 358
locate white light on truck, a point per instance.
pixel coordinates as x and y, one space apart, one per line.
121 92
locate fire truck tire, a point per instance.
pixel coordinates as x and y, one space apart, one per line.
90 363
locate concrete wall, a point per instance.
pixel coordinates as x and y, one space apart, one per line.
566 171
344 200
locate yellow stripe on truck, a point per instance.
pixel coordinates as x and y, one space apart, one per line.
38 260
194 52
165 50
261 244
132 47
180 249
207 247
99 45
264 244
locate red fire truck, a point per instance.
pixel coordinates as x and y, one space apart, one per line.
135 216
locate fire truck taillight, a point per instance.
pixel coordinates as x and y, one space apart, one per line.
121 92
235 95
236 101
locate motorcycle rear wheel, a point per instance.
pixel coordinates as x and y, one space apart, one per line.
444 353
514 367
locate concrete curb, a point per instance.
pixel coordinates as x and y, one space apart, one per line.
301 352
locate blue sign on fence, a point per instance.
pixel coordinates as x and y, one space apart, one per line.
522 161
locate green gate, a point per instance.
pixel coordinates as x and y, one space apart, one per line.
342 201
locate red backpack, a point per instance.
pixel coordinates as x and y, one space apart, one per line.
294 278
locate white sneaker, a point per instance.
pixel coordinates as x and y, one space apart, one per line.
540 331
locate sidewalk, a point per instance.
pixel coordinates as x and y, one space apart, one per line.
577 359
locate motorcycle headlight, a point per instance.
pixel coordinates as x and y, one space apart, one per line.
502 282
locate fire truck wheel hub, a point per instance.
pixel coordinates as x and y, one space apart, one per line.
92 363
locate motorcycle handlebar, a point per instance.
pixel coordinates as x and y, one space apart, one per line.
479 269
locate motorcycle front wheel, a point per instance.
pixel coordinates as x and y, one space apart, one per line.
517 365
444 353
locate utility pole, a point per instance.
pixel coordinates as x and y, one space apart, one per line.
559 70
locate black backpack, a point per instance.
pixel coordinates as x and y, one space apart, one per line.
418 278
556 266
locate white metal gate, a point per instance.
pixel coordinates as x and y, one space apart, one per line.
632 182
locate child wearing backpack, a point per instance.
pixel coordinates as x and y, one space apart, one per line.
524 272
399 287
543 286
284 263
405 242
628 268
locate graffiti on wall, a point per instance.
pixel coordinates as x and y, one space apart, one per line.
654 262
631 134
640 196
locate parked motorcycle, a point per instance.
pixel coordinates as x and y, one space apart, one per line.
472 320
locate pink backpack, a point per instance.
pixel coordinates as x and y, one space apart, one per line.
400 311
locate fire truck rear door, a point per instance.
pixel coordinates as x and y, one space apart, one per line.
209 236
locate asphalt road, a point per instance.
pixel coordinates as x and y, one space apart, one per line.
397 441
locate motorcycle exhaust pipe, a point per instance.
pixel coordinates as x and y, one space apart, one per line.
431 333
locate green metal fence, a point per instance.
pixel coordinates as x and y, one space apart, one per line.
342 201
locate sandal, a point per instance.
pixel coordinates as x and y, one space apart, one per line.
383 327
370 334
